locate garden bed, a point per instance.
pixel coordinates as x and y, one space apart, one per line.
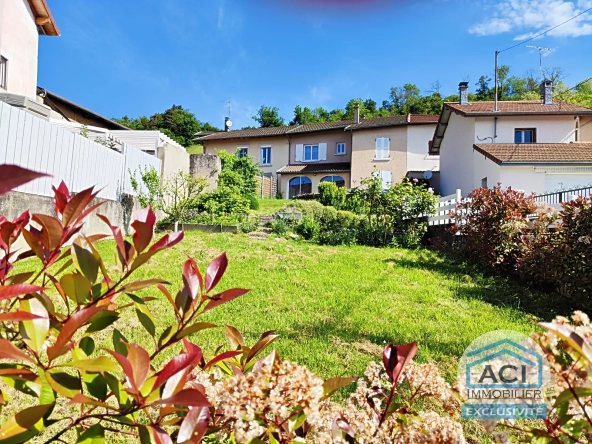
203 227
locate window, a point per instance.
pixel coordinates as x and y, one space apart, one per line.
337 180
386 176
298 186
383 146
311 152
265 155
3 73
243 151
525 135
340 149
484 182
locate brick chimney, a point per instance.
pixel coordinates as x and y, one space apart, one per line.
463 93
547 92
357 113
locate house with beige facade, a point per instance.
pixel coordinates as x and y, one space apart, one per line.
534 146
300 157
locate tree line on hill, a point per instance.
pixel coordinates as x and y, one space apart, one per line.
181 125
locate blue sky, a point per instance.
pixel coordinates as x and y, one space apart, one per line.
138 57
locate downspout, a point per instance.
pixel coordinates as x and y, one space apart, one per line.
494 128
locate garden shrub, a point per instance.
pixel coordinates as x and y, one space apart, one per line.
339 230
280 226
253 202
331 195
249 224
491 223
224 200
411 234
308 228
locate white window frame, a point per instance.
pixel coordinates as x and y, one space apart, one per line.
339 152
240 148
379 154
3 72
263 148
311 159
533 132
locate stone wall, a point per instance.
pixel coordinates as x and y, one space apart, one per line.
14 203
205 165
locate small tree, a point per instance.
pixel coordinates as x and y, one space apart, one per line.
149 194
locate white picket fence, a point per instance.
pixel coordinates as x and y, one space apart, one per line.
445 205
34 143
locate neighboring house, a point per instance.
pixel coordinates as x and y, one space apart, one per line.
533 146
344 152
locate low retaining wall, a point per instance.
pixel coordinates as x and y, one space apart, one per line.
203 227
14 203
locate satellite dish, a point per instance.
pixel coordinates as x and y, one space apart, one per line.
228 123
427 175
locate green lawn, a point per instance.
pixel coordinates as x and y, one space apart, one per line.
270 206
336 307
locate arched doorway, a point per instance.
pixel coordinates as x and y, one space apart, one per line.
337 180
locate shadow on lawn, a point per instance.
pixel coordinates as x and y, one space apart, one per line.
473 283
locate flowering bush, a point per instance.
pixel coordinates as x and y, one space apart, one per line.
491 222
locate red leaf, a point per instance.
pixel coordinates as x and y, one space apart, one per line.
125 365
160 436
76 206
140 362
223 357
143 227
395 357
190 347
51 234
11 291
175 365
13 176
10 351
192 278
195 425
69 328
225 296
186 398
18 316
215 271
116 235
61 196
167 241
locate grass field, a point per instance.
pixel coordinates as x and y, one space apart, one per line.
336 307
270 206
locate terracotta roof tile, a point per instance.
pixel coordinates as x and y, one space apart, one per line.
316 168
517 107
339 124
247 133
424 118
536 152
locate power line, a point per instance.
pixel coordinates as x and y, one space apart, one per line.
544 32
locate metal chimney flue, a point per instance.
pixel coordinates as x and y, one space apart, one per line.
547 92
463 93
357 113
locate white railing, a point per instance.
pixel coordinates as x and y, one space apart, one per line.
443 209
31 142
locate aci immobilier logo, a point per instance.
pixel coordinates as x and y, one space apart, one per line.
504 375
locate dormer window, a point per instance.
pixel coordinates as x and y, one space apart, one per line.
525 135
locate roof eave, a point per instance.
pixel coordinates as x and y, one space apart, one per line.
44 18
547 163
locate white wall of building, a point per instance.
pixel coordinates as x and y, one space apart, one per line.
19 43
483 168
549 129
523 178
456 159
418 137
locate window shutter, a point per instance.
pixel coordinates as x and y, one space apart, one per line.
378 153
386 146
387 178
322 151
299 152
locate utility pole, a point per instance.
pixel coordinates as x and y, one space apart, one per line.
541 49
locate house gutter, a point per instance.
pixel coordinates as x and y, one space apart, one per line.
531 163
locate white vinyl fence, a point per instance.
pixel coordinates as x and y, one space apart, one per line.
34 143
445 205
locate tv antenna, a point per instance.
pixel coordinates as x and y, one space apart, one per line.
541 49
228 108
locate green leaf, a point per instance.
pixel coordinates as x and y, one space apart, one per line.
146 321
85 262
63 383
96 384
34 332
76 286
94 435
198 326
100 365
167 334
120 342
567 395
101 321
24 425
87 344
117 389
331 385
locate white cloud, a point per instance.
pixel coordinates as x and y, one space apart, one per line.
320 94
534 16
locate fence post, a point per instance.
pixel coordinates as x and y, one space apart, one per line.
458 195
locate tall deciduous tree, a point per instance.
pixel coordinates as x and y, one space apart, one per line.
268 117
